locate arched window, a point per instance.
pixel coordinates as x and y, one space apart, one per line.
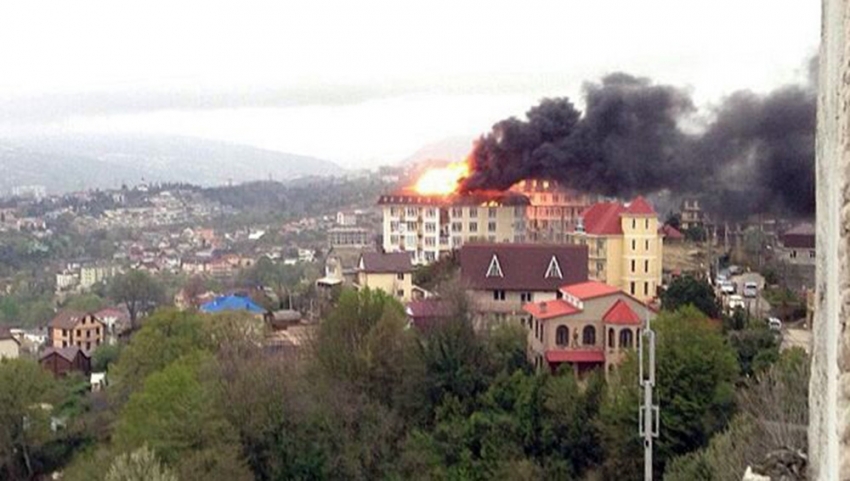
626 338
562 336
612 338
588 336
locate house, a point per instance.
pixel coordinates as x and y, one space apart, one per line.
10 347
670 234
691 215
624 246
797 245
390 272
591 326
553 211
63 360
425 313
501 278
115 320
72 328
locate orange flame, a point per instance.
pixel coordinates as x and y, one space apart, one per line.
441 180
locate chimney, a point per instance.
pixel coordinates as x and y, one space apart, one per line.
542 307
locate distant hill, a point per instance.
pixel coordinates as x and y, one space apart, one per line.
69 163
450 148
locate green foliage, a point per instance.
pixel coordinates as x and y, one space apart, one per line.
695 234
104 356
431 276
137 290
85 303
757 348
281 278
688 290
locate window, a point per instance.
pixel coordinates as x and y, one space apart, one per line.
473 212
634 245
393 239
519 211
812 254
430 242
647 224
646 245
554 269
400 293
646 266
600 244
97 332
611 338
394 226
457 226
498 295
393 211
88 346
495 269
556 198
793 254
525 296
431 212
491 212
473 227
588 336
64 333
79 333
634 223
412 211
633 265
430 227
457 212
626 338
411 240
411 226
646 288
88 334
400 276
562 336
632 288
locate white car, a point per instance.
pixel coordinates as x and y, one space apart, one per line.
751 289
720 280
727 287
736 301
774 324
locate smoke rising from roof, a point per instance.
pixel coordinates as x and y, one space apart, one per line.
752 153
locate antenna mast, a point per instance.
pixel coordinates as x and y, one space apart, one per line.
649 412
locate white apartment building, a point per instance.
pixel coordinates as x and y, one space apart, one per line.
428 226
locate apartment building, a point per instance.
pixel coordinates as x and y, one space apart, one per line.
591 325
429 226
500 278
691 214
71 328
624 246
553 211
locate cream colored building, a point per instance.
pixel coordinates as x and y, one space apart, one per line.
592 325
91 275
553 212
70 328
624 246
390 272
429 226
10 348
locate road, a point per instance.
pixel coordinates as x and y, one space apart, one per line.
758 307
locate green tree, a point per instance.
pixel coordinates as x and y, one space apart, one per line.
85 303
104 356
687 290
695 374
281 278
27 395
137 290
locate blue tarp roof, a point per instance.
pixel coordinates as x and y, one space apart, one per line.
232 303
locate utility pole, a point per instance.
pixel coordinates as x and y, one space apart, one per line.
649 412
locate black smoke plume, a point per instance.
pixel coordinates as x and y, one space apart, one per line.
754 154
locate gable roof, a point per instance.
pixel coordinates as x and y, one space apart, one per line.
621 314
390 262
69 353
523 266
589 290
603 218
802 236
495 269
639 206
232 303
550 309
66 319
670 232
115 312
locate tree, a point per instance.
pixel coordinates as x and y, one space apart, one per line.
695 375
139 465
281 278
687 290
138 291
27 393
104 356
85 303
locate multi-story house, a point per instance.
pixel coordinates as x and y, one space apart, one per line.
427 226
91 275
691 214
592 325
348 238
389 272
71 328
624 246
553 212
500 278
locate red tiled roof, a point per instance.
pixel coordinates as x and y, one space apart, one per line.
550 309
429 308
639 206
391 262
802 236
523 266
670 232
620 313
589 290
575 355
603 218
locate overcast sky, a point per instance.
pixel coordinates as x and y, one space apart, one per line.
367 83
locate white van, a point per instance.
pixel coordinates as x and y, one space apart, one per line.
751 289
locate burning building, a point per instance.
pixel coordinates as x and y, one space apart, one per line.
428 225
553 212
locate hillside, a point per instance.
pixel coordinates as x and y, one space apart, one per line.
72 163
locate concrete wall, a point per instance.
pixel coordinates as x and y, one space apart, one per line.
389 283
829 390
9 349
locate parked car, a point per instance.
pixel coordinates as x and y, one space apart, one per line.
751 289
736 301
720 279
728 287
774 324
735 270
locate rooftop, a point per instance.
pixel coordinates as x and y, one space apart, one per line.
390 262
481 198
550 309
589 290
